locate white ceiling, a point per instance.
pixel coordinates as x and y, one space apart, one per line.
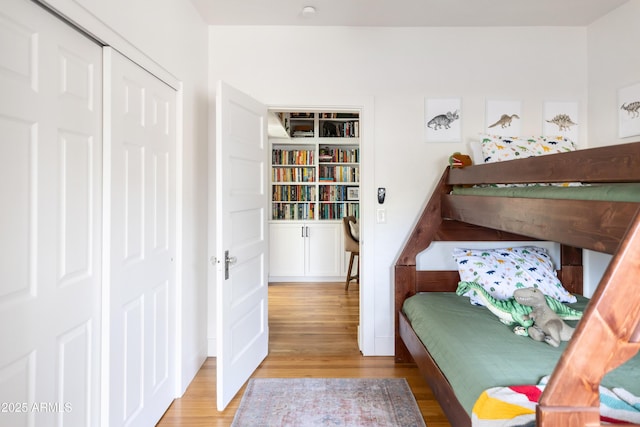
406 13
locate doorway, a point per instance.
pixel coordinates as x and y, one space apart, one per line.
315 182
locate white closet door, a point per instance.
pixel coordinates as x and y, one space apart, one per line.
140 176
50 220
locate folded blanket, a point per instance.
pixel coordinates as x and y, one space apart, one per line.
515 406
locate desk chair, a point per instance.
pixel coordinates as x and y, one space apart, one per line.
353 246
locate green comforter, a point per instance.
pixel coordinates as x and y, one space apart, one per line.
476 351
624 192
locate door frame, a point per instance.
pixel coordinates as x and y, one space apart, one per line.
368 196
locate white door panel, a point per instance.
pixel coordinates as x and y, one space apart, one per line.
241 204
51 188
141 344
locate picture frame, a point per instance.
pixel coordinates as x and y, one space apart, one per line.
503 118
353 193
629 111
443 119
560 118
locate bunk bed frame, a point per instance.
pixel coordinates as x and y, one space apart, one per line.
609 333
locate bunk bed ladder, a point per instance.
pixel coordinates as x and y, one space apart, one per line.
611 323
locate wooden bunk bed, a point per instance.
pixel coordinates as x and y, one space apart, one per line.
609 333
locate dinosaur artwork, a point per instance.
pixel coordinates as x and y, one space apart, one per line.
514 313
547 325
563 121
505 120
443 120
632 108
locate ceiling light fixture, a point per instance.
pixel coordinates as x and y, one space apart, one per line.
308 11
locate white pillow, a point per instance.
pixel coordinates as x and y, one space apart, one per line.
354 227
501 271
476 152
496 148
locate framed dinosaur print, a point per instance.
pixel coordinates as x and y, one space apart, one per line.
442 118
629 111
560 119
503 118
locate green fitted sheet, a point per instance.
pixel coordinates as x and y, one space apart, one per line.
623 192
476 351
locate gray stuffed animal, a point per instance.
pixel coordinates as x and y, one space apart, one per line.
547 326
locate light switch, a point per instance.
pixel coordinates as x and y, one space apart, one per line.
381 216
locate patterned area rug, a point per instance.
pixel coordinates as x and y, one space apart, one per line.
352 402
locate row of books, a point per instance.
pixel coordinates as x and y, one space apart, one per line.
339 210
293 174
294 193
307 211
293 211
349 129
332 115
292 157
339 173
333 154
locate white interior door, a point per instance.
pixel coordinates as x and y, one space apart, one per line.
50 220
242 247
140 177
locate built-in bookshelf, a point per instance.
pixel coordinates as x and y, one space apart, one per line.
315 172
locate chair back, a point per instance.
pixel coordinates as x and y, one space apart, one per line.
350 244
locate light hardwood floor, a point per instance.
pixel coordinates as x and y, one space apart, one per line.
313 333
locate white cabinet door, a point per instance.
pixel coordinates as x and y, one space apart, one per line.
323 250
310 250
286 249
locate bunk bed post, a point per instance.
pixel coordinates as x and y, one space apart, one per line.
405 287
571 269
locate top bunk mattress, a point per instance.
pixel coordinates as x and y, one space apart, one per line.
475 351
621 192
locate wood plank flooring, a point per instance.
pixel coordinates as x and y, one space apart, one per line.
312 333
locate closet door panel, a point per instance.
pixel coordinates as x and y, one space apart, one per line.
50 222
142 216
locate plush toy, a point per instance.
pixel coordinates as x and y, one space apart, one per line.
458 160
515 313
547 326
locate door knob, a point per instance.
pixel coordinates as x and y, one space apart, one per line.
228 260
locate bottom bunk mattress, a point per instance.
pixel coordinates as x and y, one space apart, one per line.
475 351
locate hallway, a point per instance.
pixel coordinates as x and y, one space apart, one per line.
313 333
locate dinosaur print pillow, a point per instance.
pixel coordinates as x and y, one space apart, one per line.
501 271
497 148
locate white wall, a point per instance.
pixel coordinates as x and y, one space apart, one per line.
613 63
398 68
170 35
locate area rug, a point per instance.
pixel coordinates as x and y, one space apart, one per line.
352 402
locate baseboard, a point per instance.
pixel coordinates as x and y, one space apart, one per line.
297 279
